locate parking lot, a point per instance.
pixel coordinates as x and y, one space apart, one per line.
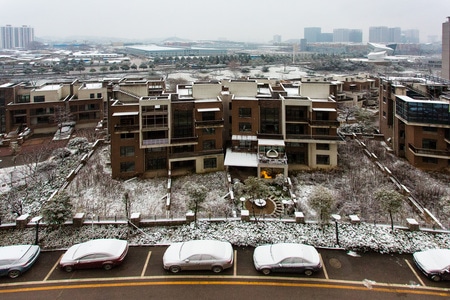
146 262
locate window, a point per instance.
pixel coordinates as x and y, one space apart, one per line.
210 163
207 131
209 144
126 151
323 159
245 127
92 95
208 116
127 136
182 123
245 112
156 163
322 146
429 144
127 166
99 95
23 99
295 113
322 131
269 120
39 99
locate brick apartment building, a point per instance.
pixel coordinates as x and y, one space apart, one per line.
415 120
261 124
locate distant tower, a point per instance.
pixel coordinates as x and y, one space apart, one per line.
277 39
16 37
446 49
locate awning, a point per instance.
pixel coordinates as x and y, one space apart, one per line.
268 142
324 109
208 109
240 159
238 137
125 113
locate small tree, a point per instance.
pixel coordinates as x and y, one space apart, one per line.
58 209
391 202
322 201
197 195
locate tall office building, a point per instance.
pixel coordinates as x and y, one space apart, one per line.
446 49
312 34
16 37
378 34
395 35
410 36
345 35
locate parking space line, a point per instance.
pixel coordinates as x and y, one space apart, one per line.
52 269
415 273
146 263
323 267
235 264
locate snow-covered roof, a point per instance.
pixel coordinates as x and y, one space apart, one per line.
269 142
240 159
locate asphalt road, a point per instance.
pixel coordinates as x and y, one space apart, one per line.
141 276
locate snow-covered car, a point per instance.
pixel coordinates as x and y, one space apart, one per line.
16 259
98 253
287 257
434 263
198 255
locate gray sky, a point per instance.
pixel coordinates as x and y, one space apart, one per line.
238 20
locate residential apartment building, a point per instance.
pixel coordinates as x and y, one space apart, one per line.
259 124
41 106
16 37
415 120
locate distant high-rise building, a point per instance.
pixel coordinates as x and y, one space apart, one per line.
16 37
277 39
345 35
384 34
446 49
411 36
312 34
395 35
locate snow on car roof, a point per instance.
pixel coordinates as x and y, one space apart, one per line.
211 247
111 247
13 252
285 250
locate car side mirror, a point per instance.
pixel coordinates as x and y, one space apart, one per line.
186 260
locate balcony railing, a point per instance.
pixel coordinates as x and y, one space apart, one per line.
332 123
126 128
314 137
445 154
184 140
271 160
195 153
210 123
151 142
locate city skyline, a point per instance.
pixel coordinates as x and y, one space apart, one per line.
248 21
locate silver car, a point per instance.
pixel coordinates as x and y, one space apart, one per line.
287 257
434 263
14 260
198 255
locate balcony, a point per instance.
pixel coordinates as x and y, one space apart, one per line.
263 159
126 128
208 124
156 142
326 123
195 153
184 141
443 154
311 137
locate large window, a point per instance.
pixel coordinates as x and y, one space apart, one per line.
127 166
126 151
245 127
323 146
323 159
209 144
127 136
245 112
295 113
270 119
39 99
429 144
208 116
182 123
210 163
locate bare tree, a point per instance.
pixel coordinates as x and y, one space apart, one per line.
391 202
197 194
322 201
62 115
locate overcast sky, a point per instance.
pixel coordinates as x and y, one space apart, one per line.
237 20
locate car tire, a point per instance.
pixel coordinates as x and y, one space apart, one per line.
174 269
266 271
308 272
217 269
68 269
14 274
107 267
435 278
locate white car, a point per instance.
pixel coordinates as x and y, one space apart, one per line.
198 255
287 257
434 263
99 253
16 259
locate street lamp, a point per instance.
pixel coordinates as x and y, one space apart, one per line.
336 218
36 220
242 199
